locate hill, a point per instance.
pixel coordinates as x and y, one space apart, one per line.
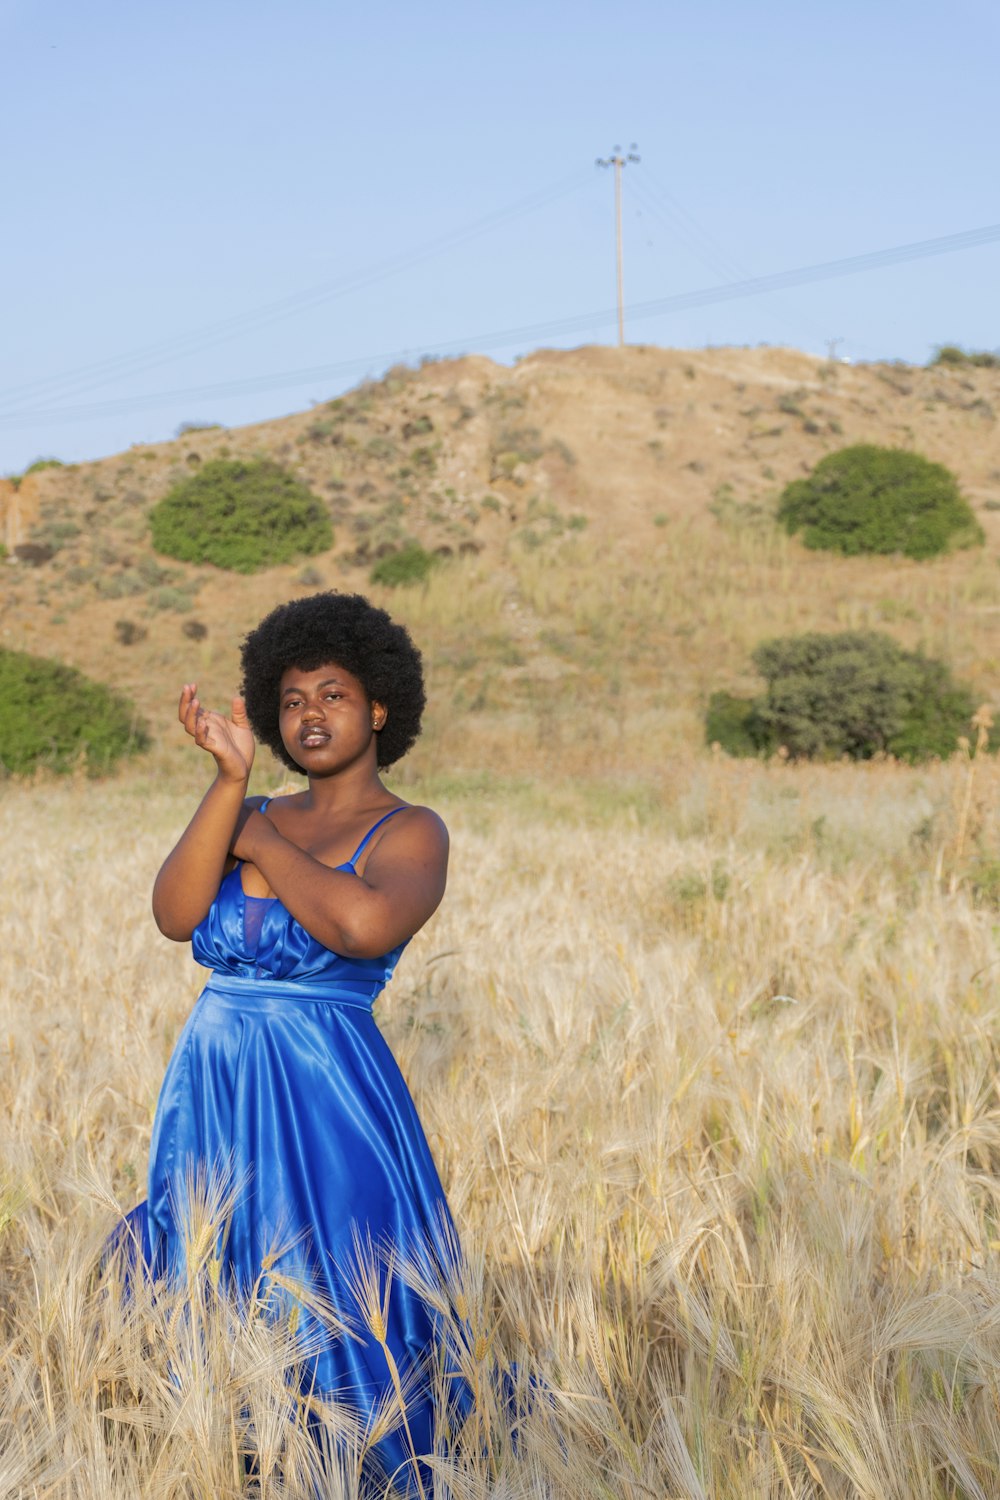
605 523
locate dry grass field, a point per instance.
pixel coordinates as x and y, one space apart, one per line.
714 1093
707 1050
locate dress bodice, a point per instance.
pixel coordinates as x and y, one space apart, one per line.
280 948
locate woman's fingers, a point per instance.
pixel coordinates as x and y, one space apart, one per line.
193 714
229 740
212 726
197 720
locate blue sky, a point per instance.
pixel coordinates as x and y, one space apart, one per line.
171 167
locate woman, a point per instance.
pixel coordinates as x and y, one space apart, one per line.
280 1081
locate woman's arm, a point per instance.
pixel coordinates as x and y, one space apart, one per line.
190 876
358 917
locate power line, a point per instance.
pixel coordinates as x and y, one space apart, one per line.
848 265
102 372
685 227
750 287
699 241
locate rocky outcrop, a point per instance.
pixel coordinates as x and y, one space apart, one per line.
19 508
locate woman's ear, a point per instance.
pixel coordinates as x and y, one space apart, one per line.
379 716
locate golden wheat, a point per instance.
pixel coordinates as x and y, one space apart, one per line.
712 1080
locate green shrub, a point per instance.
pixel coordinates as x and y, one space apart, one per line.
409 564
167 597
120 585
51 715
34 554
43 463
418 427
516 445
56 534
954 354
870 499
734 724
424 460
128 632
243 515
857 693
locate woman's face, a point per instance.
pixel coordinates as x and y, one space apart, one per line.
327 722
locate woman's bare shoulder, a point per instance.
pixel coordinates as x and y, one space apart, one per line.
417 832
420 818
279 802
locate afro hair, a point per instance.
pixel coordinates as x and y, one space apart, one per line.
343 629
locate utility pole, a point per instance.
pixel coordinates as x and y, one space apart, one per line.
619 160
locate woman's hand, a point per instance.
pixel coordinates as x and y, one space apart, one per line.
230 741
190 875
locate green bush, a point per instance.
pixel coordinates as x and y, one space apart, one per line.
513 447
954 354
870 499
128 632
418 427
857 693
734 724
51 715
243 515
409 564
43 463
168 597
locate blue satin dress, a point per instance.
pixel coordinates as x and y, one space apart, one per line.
282 1082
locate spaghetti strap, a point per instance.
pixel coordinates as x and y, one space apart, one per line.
263 806
364 842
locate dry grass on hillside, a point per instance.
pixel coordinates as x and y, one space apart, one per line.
609 519
714 1093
